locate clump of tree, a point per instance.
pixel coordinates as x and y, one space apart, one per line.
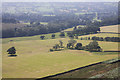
62 34
57 47
88 29
12 51
71 44
79 46
112 39
75 28
93 47
97 38
76 37
61 44
53 36
70 35
42 37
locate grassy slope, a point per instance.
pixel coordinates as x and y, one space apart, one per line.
35 60
113 28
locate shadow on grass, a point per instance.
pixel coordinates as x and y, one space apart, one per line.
111 51
107 53
12 55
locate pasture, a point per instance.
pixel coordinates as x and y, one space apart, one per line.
112 28
35 60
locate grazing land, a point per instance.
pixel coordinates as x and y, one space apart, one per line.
43 39
35 60
112 28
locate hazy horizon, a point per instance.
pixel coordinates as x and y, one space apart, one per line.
60 1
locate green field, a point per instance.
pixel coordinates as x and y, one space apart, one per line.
35 61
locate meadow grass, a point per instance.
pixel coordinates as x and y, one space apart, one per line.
112 28
35 60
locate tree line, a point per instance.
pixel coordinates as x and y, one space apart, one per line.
71 36
111 39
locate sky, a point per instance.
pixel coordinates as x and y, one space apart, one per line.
60 0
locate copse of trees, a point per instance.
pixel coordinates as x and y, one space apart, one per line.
75 28
70 35
42 37
89 29
12 51
57 47
62 34
61 44
79 46
71 44
53 36
93 47
111 39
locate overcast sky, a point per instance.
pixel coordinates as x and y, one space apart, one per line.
60 0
